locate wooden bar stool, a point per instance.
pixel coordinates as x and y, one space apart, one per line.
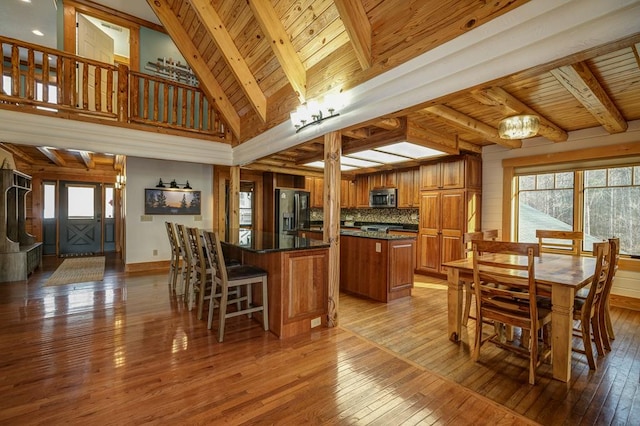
225 280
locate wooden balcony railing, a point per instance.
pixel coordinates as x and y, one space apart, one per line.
40 78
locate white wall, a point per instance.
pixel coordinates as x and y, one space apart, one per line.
626 283
142 237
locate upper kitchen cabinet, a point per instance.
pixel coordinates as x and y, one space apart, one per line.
383 180
315 186
362 191
408 181
348 194
452 173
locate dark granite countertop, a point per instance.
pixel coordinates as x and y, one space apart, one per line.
268 242
368 234
408 227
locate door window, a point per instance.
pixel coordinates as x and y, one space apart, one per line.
80 202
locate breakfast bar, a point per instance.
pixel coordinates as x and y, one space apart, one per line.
297 276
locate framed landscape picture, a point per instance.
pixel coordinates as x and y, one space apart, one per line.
171 201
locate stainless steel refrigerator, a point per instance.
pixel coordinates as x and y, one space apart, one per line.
292 211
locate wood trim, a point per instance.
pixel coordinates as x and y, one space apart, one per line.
147 266
610 151
627 264
624 302
507 197
112 15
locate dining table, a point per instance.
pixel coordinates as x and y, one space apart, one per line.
558 274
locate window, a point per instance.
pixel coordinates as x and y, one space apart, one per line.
80 203
108 203
607 199
49 201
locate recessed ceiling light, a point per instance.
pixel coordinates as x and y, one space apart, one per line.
26 1
411 150
37 32
377 156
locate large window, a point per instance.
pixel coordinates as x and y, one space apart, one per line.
607 202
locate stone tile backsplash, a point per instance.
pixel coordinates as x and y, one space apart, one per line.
403 216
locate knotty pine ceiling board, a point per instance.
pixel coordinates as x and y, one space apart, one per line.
337 71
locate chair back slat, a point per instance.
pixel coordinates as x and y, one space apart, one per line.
563 242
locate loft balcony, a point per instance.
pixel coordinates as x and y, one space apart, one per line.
40 80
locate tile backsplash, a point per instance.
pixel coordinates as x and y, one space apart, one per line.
403 216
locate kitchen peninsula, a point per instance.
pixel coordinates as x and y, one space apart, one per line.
297 276
376 265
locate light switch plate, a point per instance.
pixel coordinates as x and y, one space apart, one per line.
378 248
146 218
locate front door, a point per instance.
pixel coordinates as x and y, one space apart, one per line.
80 218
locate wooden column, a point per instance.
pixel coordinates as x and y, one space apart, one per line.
332 153
234 198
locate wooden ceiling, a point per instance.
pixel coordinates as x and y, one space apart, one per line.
260 59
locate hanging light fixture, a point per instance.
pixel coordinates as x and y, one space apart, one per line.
519 127
314 112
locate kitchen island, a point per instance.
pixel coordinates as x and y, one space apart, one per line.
376 265
297 278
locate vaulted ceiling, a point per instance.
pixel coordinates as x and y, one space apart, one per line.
261 59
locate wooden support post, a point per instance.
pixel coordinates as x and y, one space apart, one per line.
234 200
332 153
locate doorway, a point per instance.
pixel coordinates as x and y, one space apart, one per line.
80 218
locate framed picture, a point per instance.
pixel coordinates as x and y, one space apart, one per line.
171 201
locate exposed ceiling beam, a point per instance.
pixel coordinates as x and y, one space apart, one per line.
358 27
87 159
585 87
53 155
213 23
471 124
431 138
17 152
499 96
190 52
288 170
356 133
281 45
388 123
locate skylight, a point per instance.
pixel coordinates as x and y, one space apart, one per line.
389 154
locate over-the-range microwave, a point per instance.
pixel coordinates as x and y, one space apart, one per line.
384 197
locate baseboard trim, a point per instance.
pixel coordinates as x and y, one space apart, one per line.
147 266
624 302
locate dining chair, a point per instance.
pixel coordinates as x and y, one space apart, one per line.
587 310
188 263
562 242
505 289
604 316
203 271
467 239
236 277
174 262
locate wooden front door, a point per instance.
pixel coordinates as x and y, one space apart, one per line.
80 218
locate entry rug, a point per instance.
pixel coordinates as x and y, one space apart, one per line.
78 270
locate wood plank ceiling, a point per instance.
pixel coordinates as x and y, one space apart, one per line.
260 59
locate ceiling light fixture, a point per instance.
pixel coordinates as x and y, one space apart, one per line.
38 33
519 127
314 112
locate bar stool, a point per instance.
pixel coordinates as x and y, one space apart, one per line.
235 277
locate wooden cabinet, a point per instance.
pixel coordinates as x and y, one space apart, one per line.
452 173
362 191
408 182
315 186
445 215
449 207
348 194
383 180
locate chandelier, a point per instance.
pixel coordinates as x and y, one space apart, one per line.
519 127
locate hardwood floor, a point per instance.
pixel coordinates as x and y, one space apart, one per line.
125 351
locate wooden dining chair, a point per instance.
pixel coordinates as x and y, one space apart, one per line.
467 239
505 289
237 277
562 242
188 263
174 262
604 317
203 271
587 310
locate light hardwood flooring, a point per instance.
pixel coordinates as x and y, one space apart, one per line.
126 351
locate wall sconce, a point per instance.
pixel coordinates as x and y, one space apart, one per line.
121 181
519 127
314 112
173 184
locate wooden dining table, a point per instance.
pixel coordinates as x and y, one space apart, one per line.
562 275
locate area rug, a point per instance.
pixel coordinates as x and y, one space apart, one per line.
78 270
